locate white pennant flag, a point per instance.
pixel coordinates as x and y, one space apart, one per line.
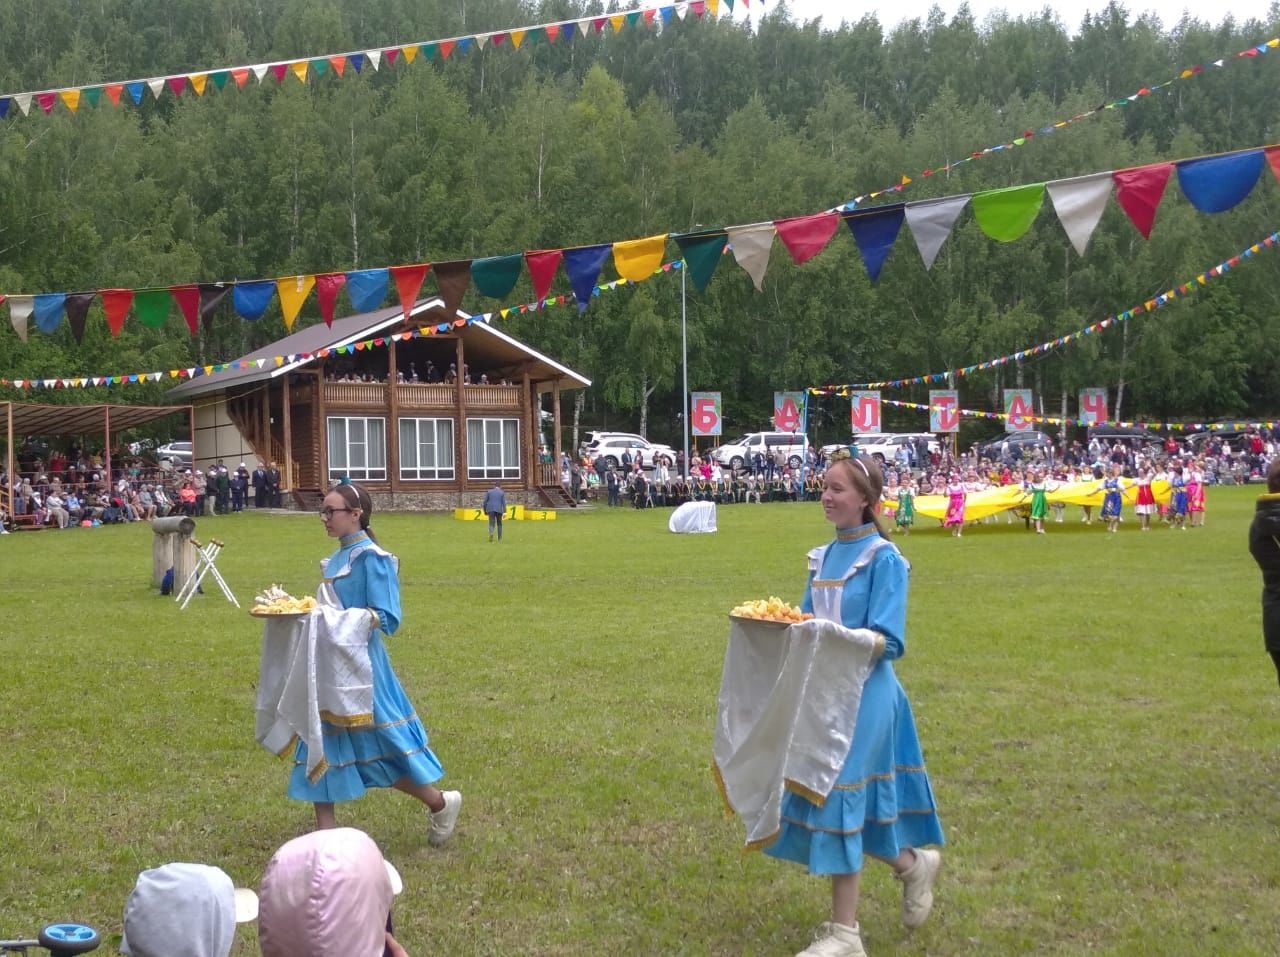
24 102
375 57
191 372
157 86
681 10
20 308
261 362
751 248
931 222
259 70
1079 203
481 40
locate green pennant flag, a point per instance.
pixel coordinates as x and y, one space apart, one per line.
220 78
496 276
633 17
1006 214
428 50
93 94
729 4
152 307
320 65
702 253
535 36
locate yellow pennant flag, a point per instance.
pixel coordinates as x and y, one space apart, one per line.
71 98
409 53
293 292
517 38
713 7
299 68
636 259
198 81
617 22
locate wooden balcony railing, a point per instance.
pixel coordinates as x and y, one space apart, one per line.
355 393
421 395
492 396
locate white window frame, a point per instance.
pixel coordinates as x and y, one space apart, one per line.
340 457
482 463
418 472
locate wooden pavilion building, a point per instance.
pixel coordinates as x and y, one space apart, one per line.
386 415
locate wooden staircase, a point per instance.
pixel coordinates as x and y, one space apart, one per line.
554 496
308 499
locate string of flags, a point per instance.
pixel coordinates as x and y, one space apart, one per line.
1231 426
213 368
1143 308
352 63
1212 184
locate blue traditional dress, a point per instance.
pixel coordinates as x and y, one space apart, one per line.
1178 498
363 575
882 801
1111 500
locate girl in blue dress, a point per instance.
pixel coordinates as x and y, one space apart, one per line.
882 804
391 752
1112 499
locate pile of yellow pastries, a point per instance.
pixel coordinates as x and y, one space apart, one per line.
276 601
770 609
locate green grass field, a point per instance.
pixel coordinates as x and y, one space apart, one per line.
1098 715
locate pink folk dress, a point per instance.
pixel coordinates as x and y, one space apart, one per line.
955 507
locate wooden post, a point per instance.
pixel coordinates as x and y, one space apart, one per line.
10 458
393 421
183 555
321 415
167 530
285 402
555 411
461 401
531 424
106 446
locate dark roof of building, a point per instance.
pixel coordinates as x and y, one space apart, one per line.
30 418
484 343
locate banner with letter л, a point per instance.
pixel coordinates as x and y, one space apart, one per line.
704 413
789 411
865 413
1018 410
944 410
1093 406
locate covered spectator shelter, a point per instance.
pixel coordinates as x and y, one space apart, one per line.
29 418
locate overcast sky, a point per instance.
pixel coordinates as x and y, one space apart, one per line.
1070 12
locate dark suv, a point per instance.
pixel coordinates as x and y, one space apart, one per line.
1020 445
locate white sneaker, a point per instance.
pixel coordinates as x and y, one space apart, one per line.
445 820
917 887
835 940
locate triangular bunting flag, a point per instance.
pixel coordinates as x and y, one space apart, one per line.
582 265
339 64
299 68
77 307
751 248
875 231
452 279
391 53
113 92
806 236
931 223
70 98
636 259
177 84
517 38
375 58
409 53
220 78
116 303
617 22
496 276
198 82
278 70
251 299
188 300
702 253
93 94
446 47
259 70
152 307
1079 203
211 296
327 287
47 101
367 288
408 281
1006 214
319 66
293 292
241 76
1139 191
1215 184
24 104
356 60
543 264
157 86
48 311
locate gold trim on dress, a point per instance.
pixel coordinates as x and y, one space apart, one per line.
380 757
318 773
810 795
854 534
724 794
293 743
347 720
373 727
760 843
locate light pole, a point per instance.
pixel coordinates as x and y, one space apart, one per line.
684 351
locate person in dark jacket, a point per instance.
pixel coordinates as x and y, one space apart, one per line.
495 506
1264 546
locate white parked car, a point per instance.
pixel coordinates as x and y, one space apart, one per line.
884 447
611 448
177 454
740 452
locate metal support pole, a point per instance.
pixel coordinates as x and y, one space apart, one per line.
684 351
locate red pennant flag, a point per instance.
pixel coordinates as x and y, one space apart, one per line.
113 93
177 84
446 47
1272 154
1139 191
648 16
327 287
46 101
279 70
116 302
543 264
599 24
339 63
188 300
408 282
553 32
497 38
806 236
391 55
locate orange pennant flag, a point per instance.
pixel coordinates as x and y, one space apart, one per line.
553 32
339 63
293 292
71 98
113 91
408 281
299 68
198 81
240 75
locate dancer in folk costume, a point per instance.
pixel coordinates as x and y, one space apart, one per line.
1146 504
905 515
1112 500
956 495
392 752
1195 493
882 804
1178 497
1037 487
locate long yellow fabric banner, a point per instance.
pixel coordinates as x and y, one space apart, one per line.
990 501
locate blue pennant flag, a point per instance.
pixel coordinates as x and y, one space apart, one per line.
582 266
367 288
252 298
48 311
